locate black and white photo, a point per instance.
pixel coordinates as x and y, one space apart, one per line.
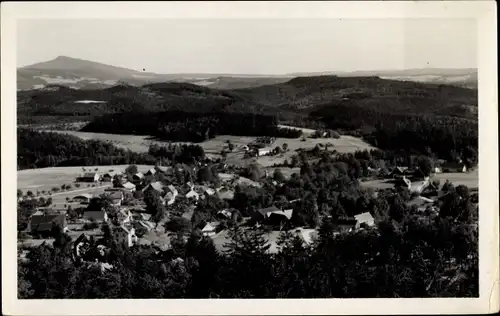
251 157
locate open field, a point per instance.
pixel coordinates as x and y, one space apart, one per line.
44 179
213 147
469 179
133 142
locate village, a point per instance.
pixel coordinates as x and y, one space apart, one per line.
121 203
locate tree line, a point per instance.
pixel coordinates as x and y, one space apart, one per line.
188 126
36 149
441 135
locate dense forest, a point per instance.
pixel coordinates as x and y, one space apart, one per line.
410 254
37 149
427 134
189 127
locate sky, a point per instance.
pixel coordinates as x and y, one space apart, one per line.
253 46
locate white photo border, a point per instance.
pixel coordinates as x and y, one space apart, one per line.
484 12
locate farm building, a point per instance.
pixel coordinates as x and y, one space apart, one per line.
155 186
99 216
209 229
83 198
138 177
89 177
419 186
116 198
364 218
274 214
42 222
151 172
108 176
277 217
125 235
129 186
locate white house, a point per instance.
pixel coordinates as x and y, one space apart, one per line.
125 235
364 218
209 229
263 151
192 194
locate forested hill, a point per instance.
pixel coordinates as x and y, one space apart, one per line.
374 93
63 102
300 95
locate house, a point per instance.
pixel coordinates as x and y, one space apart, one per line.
263 151
155 186
129 186
42 222
125 235
209 229
138 177
364 218
151 172
171 194
420 186
281 214
98 216
437 170
209 191
192 194
89 177
83 198
108 176
268 210
225 214
115 198
124 216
